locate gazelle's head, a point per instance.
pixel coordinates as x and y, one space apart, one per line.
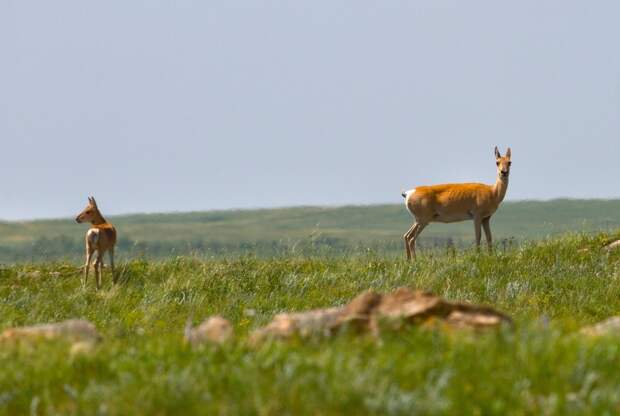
90 213
503 163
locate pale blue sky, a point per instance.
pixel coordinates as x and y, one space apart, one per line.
194 105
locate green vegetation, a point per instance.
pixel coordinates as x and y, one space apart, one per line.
294 231
550 288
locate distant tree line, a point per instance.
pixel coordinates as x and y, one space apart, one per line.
66 248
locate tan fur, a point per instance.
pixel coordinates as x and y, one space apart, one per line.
101 237
458 202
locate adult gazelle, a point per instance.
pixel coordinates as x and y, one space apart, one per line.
457 202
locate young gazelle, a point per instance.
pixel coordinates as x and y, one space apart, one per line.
457 202
101 237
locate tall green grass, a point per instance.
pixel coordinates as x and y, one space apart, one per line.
543 366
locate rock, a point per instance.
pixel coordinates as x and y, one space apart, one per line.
215 330
418 307
322 322
368 311
613 246
29 275
73 330
359 311
285 325
405 303
610 326
82 348
477 318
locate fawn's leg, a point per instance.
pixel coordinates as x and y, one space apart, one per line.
89 256
99 269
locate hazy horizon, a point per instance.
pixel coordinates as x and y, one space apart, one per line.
189 106
283 207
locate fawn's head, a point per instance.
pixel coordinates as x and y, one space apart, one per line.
503 163
90 213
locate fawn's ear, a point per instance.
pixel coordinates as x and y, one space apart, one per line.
497 154
508 153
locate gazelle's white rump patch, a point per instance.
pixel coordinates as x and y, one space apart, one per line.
92 236
409 193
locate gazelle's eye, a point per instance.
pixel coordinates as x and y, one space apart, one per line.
509 163
497 163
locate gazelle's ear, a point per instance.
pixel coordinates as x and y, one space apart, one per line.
497 154
508 153
92 201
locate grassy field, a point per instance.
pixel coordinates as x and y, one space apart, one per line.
294 231
543 366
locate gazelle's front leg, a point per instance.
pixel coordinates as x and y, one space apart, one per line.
89 256
478 229
486 224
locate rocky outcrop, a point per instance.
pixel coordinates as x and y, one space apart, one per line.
370 311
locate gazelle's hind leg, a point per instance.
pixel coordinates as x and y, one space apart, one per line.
89 256
407 236
112 265
414 237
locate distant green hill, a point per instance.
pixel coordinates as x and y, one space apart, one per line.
300 230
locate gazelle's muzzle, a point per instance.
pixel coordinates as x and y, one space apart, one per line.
78 219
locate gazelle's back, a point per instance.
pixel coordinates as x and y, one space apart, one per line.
449 202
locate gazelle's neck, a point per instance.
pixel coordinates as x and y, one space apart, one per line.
500 188
98 218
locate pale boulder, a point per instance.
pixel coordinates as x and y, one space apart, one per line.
610 326
215 330
73 330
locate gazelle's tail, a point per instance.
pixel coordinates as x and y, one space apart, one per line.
403 193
